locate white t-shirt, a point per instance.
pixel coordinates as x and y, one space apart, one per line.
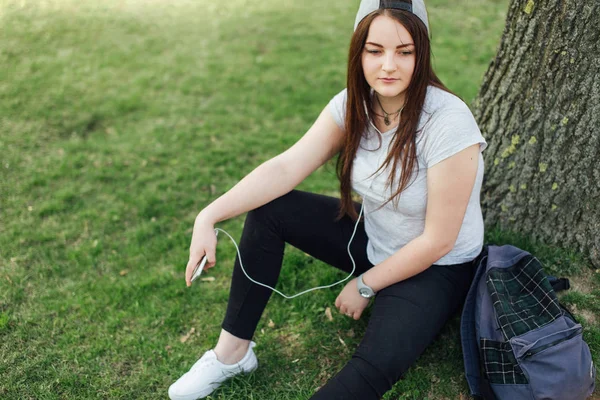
446 127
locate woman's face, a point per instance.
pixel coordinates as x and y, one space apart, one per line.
389 52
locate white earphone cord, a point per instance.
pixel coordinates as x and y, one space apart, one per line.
308 290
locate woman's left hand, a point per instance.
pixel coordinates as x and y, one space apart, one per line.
350 302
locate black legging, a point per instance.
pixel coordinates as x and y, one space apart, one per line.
405 317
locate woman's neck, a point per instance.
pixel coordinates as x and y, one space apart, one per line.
390 105
386 105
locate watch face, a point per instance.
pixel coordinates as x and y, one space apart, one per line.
364 293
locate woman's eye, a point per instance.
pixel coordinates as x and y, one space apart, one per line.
404 53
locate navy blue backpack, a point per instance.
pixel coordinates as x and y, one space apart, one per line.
519 342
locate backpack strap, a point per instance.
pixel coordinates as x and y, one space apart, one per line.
469 341
486 389
558 284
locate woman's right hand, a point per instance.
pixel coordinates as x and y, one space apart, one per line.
204 242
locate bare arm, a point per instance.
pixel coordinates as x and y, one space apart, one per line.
281 174
449 187
267 182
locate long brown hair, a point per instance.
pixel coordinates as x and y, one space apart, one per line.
403 149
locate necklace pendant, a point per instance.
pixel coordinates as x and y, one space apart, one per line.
386 120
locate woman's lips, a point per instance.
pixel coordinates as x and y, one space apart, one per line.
388 80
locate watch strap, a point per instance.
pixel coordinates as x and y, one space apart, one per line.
363 288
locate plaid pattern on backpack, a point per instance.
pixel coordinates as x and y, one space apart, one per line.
518 341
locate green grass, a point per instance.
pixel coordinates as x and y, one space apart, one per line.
119 121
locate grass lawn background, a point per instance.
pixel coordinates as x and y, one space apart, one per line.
119 121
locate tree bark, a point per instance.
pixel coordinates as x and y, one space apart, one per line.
539 110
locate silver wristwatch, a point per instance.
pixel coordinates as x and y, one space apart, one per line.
364 290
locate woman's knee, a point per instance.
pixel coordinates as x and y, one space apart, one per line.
273 210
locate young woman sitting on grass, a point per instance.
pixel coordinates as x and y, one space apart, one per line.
412 151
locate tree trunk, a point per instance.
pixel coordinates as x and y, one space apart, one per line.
539 110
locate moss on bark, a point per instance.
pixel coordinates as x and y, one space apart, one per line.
539 109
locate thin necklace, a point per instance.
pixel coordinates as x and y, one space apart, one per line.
386 117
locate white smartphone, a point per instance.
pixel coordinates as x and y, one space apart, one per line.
199 268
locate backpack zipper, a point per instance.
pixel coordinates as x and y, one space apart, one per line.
530 353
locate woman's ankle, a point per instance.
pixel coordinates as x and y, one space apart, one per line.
230 349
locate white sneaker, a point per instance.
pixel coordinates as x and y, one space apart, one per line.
208 373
